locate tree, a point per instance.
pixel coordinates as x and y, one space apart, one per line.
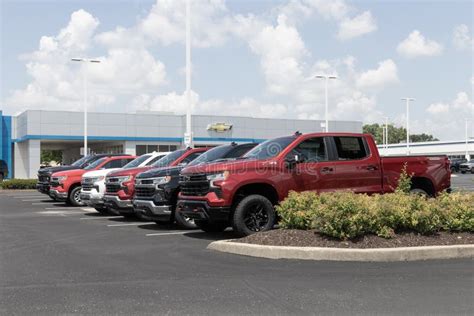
51 155
396 135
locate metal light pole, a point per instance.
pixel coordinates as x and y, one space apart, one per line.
408 122
188 136
467 138
326 95
84 77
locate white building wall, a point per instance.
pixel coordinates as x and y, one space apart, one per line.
27 159
450 148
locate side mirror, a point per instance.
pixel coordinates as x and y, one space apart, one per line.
292 161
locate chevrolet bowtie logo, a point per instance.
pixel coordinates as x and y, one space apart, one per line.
219 127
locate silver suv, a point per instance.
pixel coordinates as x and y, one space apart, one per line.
467 166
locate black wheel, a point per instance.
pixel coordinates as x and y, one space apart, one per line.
75 197
419 192
463 172
211 227
255 213
102 210
184 221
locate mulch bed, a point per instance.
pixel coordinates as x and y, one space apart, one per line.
307 238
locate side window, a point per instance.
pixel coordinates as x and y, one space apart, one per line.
123 162
154 160
311 150
117 163
239 151
190 158
350 148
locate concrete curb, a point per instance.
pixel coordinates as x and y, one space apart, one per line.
344 254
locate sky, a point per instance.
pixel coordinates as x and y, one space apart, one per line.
250 58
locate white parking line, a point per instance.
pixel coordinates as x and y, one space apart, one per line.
165 234
89 209
100 217
31 200
132 224
28 196
59 212
42 203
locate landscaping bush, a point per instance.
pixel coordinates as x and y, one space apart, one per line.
18 184
346 215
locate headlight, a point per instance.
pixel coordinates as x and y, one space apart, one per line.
123 179
221 176
61 179
97 179
161 180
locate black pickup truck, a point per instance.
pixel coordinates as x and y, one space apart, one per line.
156 190
44 174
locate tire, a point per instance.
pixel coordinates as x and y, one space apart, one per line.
463 172
255 213
211 227
419 191
74 197
184 222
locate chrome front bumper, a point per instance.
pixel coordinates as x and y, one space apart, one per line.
92 200
116 203
146 207
60 196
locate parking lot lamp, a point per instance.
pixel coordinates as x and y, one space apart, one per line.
188 137
467 138
408 122
326 110
86 62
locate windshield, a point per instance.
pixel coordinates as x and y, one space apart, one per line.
136 162
95 164
270 148
211 155
169 159
80 162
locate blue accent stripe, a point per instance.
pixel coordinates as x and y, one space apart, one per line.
128 138
6 142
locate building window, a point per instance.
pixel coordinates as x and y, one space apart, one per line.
145 149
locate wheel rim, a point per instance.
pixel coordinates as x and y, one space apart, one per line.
256 218
77 197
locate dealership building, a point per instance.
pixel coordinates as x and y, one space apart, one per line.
24 136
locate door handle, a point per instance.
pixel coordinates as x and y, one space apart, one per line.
371 167
327 170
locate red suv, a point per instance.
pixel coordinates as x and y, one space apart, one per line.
66 185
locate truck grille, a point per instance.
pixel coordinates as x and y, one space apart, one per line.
194 185
87 186
44 179
144 191
112 187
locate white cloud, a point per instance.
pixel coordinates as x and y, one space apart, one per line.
386 73
416 45
446 119
361 24
462 38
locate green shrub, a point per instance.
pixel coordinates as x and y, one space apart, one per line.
346 215
18 184
343 215
456 211
404 181
297 211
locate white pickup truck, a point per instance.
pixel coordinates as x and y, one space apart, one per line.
93 182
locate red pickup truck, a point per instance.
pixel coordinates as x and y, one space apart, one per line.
243 193
66 185
120 184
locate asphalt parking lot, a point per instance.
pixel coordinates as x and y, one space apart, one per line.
56 259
